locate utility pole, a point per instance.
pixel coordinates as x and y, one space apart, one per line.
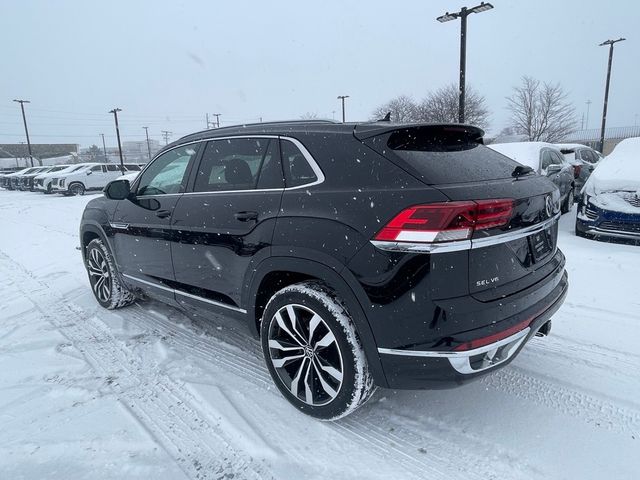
146 131
104 148
26 130
217 115
115 116
606 89
166 134
586 126
343 97
462 15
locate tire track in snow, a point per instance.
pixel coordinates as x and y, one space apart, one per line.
405 446
158 403
556 395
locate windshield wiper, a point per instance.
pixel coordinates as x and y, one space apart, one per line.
521 170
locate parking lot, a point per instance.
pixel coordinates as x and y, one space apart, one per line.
191 398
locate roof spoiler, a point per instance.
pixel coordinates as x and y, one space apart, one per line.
470 133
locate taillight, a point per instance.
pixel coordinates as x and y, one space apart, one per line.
442 222
576 170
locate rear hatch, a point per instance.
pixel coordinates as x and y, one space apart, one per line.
507 255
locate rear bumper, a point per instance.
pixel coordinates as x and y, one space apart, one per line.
437 369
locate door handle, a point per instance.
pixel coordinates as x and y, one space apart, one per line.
246 216
163 213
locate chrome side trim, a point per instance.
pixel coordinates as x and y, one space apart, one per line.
185 294
455 246
151 284
119 226
613 233
488 356
212 302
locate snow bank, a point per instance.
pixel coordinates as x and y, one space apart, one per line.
620 170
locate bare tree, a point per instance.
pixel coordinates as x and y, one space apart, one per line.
403 109
442 106
438 106
541 111
309 116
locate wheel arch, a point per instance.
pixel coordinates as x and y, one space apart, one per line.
275 273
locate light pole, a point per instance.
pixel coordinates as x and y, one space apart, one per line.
146 131
104 148
115 116
26 130
217 115
343 97
462 15
586 125
606 89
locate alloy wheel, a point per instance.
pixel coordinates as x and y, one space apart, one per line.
305 355
99 275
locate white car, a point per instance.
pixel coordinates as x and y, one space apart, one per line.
42 181
92 177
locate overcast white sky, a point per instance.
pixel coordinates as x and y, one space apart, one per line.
166 64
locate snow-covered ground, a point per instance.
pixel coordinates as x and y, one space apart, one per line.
146 392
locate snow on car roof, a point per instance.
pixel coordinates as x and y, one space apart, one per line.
526 153
620 170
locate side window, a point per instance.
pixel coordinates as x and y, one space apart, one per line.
271 171
96 169
166 174
546 160
232 164
297 170
558 159
112 167
132 168
589 156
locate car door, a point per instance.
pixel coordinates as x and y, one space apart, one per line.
225 223
141 224
94 177
551 167
566 176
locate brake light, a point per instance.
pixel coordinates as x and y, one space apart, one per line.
576 170
442 222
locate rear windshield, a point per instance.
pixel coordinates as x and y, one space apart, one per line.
442 157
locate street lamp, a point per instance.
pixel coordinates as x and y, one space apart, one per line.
26 130
343 97
462 15
606 89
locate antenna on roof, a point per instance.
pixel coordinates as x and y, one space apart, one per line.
387 118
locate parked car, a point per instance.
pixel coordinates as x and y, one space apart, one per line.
12 181
584 159
545 159
25 181
609 207
403 256
93 177
42 182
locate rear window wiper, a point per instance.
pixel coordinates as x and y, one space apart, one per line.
521 170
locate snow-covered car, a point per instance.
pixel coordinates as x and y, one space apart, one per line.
545 159
93 177
42 182
609 206
25 181
584 159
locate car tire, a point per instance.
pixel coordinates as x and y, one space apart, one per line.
313 351
104 278
47 190
568 202
76 188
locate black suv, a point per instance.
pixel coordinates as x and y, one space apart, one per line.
403 256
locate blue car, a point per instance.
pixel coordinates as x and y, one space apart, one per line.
609 205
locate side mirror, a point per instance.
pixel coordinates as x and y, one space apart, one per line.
89 172
117 190
553 168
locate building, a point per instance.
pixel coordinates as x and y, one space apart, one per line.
17 154
137 151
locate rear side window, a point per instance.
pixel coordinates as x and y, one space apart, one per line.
297 170
112 168
443 155
232 164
